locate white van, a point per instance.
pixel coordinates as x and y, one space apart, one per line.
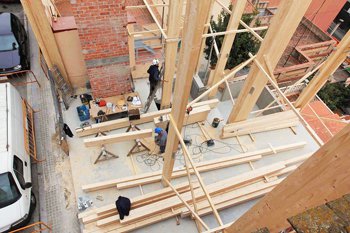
17 201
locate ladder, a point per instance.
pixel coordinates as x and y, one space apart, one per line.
64 88
153 94
29 134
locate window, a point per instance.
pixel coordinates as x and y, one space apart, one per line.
18 169
8 42
9 192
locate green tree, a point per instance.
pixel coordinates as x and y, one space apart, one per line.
335 95
243 44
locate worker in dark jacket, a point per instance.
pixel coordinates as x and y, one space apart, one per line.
154 75
161 138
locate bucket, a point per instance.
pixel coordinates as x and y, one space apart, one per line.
216 122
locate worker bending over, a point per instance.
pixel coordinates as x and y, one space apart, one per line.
154 75
161 138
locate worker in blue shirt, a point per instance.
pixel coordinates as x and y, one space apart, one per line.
161 138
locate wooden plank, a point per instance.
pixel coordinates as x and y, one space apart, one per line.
223 199
131 45
148 197
124 122
260 129
219 186
188 206
331 65
281 30
47 36
196 15
137 202
262 120
155 18
324 176
198 114
122 137
263 152
171 46
182 173
238 10
204 208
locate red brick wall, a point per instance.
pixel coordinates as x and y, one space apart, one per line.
108 80
101 25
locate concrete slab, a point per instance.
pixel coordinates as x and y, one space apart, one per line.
85 172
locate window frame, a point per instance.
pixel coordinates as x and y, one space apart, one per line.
19 174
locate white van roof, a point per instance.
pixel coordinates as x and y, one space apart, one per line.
3 117
4 122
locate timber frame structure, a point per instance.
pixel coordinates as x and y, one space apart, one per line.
323 175
283 25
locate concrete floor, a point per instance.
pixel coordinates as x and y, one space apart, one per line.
85 172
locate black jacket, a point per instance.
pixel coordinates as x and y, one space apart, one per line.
153 74
123 205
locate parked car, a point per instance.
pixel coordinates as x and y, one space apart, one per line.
17 202
14 54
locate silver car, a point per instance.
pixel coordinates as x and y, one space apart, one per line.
14 54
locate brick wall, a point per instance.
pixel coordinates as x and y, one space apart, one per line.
107 80
101 25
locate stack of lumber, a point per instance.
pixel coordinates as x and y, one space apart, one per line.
200 111
210 165
270 122
163 204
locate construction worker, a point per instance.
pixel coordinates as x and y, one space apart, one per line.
154 75
161 138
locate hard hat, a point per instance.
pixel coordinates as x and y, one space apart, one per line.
158 130
155 62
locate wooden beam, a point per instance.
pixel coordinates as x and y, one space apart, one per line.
281 30
145 6
155 18
171 46
296 111
202 167
234 31
37 17
131 46
205 30
122 137
124 122
331 65
324 176
36 29
187 205
290 88
238 10
228 76
196 15
188 156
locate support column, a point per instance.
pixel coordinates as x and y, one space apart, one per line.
131 45
196 15
44 35
281 30
324 176
205 31
329 67
237 12
173 30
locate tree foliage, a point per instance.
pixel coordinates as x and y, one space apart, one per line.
243 44
335 95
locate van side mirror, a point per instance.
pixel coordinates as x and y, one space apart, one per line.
28 185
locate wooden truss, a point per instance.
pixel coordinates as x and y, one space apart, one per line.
195 30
